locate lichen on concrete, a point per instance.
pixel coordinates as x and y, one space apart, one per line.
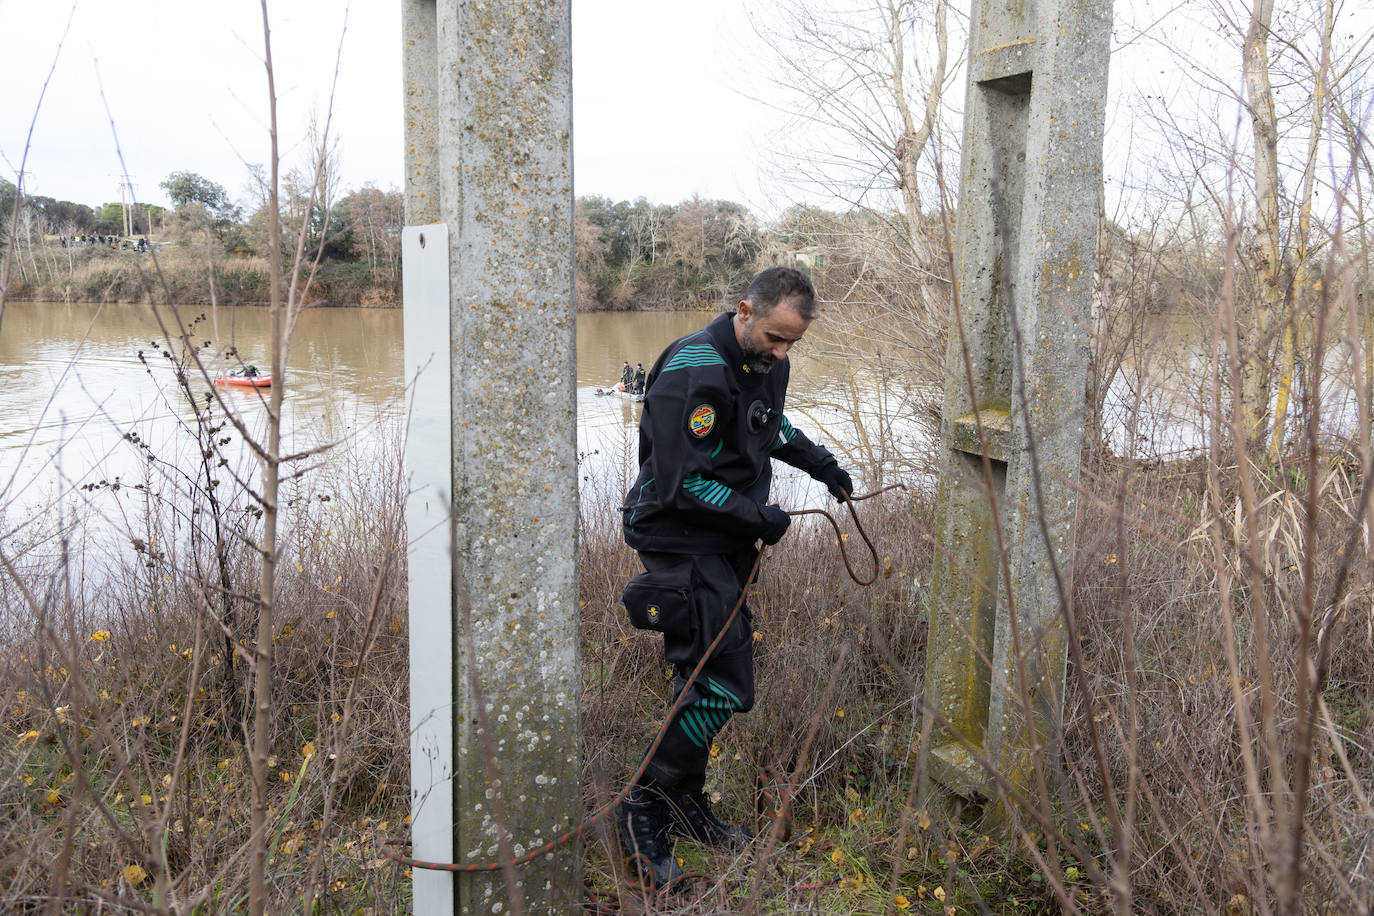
490 157
1012 438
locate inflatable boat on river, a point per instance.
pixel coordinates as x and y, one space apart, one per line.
618 391
241 379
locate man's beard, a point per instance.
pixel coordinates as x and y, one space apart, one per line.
757 360
758 363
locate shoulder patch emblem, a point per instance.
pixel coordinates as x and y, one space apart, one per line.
701 421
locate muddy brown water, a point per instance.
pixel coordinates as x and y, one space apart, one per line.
78 406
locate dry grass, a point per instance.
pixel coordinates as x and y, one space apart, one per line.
181 276
1201 834
127 781
105 275
1166 705
125 716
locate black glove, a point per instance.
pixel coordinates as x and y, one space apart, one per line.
776 522
837 481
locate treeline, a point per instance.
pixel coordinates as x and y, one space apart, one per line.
107 219
641 255
206 245
630 255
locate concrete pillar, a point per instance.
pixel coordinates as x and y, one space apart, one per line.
1012 428
490 350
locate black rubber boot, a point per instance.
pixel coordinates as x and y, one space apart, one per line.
693 819
642 821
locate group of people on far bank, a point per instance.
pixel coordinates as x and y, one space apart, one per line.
102 241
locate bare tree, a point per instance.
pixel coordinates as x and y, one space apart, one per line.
1255 326
375 218
590 259
646 228
1291 72
686 231
1319 74
863 88
285 310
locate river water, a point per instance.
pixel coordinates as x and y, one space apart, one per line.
78 405
89 398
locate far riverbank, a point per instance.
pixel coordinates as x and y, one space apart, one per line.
180 274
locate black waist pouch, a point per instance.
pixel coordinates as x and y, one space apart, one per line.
661 600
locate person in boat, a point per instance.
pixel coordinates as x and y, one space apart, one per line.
627 376
637 386
250 371
711 426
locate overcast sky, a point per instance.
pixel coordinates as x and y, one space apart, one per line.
661 93
184 86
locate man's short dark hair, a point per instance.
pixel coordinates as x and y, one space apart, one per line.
779 283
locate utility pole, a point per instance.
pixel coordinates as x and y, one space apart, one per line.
490 322
1015 393
126 201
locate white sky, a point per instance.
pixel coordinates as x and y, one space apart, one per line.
185 87
661 106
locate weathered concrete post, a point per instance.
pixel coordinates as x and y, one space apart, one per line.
1012 428
492 445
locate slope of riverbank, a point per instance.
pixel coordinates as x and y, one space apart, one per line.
185 276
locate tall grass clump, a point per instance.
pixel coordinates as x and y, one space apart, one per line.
124 701
1190 741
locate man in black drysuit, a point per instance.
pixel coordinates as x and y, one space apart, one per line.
711 425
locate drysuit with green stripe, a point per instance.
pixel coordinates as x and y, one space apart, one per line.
709 431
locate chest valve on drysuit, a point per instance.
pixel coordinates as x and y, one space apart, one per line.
758 416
